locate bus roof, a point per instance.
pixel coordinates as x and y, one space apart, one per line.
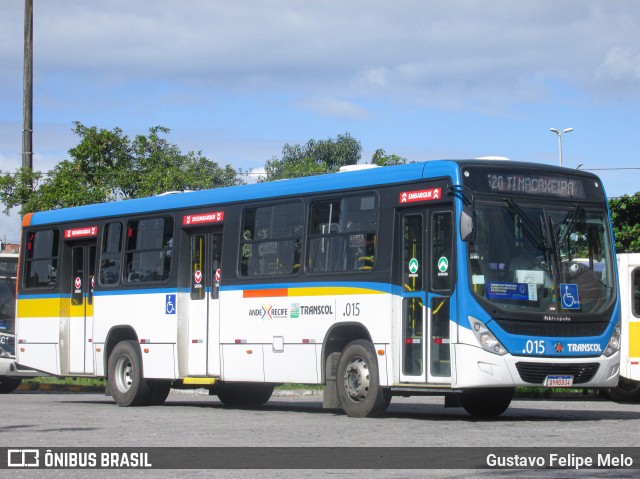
361 178
273 189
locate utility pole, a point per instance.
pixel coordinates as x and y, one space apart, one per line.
27 102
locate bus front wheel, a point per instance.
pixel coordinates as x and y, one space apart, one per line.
486 402
627 390
358 381
126 381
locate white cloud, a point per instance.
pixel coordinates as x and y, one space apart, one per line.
335 108
621 64
341 50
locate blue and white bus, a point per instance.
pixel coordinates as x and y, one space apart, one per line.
453 278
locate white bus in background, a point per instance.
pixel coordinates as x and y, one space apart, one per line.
10 373
628 389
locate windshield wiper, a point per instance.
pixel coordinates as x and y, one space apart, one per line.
555 248
535 235
572 222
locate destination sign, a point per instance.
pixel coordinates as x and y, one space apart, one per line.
85 232
536 185
203 218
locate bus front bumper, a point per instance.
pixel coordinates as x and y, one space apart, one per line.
484 369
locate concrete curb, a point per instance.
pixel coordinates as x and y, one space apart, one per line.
70 388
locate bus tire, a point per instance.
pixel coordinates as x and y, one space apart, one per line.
244 394
8 385
627 390
158 391
358 381
486 402
126 381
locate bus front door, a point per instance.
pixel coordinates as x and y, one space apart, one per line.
204 308
427 281
80 322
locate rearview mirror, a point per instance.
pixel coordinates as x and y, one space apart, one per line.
467 224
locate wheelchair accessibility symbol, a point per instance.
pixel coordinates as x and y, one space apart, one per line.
569 296
170 304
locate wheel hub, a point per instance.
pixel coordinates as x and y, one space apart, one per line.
356 380
124 374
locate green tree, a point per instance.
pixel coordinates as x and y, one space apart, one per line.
108 166
314 158
381 158
625 214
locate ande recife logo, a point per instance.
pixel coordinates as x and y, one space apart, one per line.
268 311
296 311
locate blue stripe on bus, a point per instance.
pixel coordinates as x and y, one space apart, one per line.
220 196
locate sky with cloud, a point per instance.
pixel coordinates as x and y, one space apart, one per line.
423 79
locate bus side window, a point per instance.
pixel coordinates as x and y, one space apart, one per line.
271 240
342 234
41 259
149 250
110 256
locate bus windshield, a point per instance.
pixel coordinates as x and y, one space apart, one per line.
541 259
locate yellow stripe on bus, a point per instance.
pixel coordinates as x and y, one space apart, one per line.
51 308
330 291
634 339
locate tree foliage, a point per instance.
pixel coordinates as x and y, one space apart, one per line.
381 158
625 214
108 166
314 158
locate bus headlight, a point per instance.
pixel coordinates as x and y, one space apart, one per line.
487 340
614 342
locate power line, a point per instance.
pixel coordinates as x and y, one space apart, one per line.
611 169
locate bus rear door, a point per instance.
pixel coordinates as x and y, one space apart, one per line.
204 306
80 320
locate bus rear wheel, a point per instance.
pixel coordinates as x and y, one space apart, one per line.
244 394
126 381
8 385
487 402
358 381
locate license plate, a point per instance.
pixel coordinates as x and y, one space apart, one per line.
558 381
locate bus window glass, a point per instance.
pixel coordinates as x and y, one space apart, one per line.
342 235
197 266
110 256
441 253
149 248
412 254
41 259
272 240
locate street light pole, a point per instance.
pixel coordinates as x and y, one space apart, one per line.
27 102
560 133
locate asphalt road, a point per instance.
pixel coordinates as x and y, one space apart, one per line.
187 419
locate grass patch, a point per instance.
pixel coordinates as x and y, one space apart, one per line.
94 382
